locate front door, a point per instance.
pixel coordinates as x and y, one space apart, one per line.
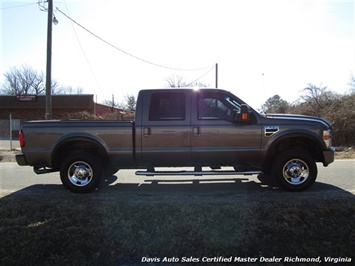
216 139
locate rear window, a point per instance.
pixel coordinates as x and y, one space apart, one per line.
167 106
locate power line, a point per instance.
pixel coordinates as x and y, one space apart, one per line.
191 83
42 6
9 7
86 58
127 53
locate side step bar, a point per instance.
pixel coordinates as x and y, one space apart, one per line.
196 173
43 170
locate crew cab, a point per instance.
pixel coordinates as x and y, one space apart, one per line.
196 128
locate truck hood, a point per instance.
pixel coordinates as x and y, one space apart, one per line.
299 118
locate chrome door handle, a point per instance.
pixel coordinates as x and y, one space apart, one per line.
196 131
146 131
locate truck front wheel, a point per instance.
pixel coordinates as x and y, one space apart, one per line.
81 172
295 170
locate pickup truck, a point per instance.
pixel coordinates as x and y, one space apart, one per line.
196 128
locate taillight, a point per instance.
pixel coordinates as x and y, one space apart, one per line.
21 139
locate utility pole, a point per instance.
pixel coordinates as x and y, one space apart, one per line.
48 114
216 76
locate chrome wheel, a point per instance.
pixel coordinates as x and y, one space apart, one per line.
295 172
80 173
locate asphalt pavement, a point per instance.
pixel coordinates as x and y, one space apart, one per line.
338 177
336 180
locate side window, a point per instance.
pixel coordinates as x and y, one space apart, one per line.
167 106
214 106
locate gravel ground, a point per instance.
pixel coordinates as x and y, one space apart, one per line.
6 154
5 144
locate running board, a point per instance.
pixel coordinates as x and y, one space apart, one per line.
196 173
43 170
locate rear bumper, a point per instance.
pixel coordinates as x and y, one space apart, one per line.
328 156
21 159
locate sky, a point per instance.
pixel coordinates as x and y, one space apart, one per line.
262 48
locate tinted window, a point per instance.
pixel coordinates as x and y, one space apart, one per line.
215 105
167 106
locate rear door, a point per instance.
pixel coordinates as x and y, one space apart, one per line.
165 131
217 140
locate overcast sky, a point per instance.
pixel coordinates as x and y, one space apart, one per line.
262 48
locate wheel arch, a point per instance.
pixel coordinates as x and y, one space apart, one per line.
72 144
306 142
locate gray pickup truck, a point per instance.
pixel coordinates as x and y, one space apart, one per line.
181 128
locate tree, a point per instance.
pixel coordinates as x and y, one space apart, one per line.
315 99
25 80
112 103
275 104
68 90
335 108
352 83
130 102
176 81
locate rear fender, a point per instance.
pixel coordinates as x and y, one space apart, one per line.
79 141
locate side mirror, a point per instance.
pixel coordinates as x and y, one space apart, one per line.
245 113
244 116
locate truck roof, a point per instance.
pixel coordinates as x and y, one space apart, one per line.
185 88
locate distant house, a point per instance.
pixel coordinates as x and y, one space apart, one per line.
33 107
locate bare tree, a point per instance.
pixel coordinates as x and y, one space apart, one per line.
352 83
176 81
316 99
129 103
25 80
112 103
68 90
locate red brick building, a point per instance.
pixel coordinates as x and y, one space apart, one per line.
33 107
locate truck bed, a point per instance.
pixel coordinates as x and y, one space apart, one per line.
44 138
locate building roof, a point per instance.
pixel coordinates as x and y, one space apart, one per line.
68 101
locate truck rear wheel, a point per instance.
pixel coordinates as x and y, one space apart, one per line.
81 172
295 170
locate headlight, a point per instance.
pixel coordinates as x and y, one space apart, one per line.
327 137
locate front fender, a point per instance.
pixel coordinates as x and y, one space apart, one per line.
300 134
287 139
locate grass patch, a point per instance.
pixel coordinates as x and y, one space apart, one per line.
77 230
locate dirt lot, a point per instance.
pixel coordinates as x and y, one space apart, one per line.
8 156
